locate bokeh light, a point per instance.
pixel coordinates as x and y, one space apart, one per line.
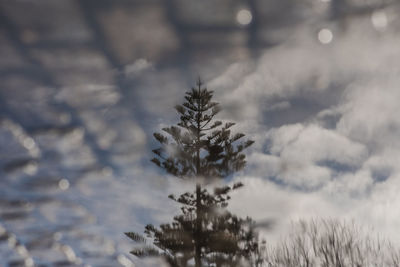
379 20
325 36
63 184
244 17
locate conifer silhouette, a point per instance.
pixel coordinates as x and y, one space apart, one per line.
202 149
199 146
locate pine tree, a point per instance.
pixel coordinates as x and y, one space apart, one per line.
202 149
226 241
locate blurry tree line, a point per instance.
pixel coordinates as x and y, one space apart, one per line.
204 150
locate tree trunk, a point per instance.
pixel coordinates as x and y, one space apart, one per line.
198 227
198 237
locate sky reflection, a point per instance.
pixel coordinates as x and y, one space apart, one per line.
84 84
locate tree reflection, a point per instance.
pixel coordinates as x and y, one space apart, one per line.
204 150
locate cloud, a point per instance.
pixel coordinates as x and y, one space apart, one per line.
306 156
311 143
137 67
325 121
370 113
340 158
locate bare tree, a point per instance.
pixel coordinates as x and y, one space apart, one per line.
331 243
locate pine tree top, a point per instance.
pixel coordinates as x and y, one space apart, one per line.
199 145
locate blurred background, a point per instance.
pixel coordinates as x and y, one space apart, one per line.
83 84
